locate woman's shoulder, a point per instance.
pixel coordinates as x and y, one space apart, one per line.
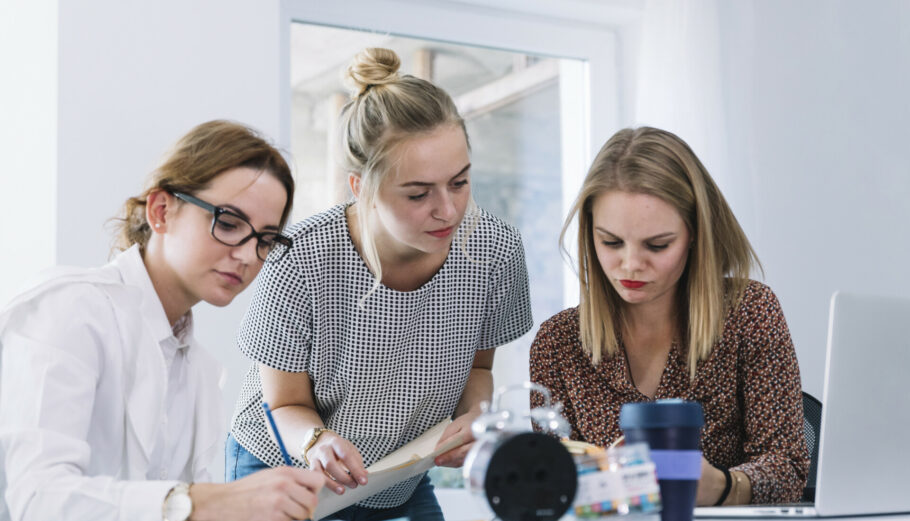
69 283
493 225
490 234
316 224
67 301
758 307
557 336
321 234
564 322
75 292
757 295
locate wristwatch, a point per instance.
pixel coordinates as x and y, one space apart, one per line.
177 506
312 436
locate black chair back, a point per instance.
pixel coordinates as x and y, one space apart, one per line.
812 425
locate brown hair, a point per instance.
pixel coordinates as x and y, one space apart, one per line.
200 156
658 163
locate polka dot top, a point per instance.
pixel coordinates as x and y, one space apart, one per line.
385 373
749 387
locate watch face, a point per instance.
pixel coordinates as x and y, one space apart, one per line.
179 506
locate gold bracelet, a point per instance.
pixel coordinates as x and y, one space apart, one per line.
742 489
312 437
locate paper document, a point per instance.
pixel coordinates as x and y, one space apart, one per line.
410 460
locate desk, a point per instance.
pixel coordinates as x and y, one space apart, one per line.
874 517
460 505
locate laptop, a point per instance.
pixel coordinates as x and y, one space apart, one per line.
864 449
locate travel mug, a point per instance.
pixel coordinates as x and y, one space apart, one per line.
672 428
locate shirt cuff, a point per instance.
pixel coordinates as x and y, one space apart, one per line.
142 500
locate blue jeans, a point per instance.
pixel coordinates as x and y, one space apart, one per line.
422 505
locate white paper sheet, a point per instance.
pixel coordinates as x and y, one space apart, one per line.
410 460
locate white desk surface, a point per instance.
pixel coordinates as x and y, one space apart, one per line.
875 517
460 505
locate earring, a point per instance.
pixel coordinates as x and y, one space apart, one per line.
157 225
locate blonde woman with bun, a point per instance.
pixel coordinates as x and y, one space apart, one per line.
109 408
668 311
384 321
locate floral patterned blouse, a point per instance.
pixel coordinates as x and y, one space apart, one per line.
749 388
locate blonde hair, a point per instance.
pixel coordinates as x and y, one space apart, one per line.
658 163
200 156
385 110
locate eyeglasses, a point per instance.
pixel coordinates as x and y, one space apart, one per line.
230 229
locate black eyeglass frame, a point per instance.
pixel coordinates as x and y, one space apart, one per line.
261 237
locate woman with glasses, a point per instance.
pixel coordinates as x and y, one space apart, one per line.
383 319
109 408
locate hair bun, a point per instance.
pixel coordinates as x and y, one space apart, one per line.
372 66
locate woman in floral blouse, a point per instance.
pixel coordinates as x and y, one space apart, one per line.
667 310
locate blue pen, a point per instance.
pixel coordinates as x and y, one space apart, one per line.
284 451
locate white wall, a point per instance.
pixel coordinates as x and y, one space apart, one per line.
799 111
800 114
134 76
28 140
816 95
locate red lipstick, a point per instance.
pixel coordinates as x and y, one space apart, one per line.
442 233
632 284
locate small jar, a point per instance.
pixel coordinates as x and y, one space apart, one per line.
639 477
620 481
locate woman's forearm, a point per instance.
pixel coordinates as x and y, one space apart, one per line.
295 422
478 388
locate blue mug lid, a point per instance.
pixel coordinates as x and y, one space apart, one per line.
661 414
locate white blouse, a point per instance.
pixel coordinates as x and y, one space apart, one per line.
102 407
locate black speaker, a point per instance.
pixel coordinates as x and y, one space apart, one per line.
530 477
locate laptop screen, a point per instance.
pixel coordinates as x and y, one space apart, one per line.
863 452
863 455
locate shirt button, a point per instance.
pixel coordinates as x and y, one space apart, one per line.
162 474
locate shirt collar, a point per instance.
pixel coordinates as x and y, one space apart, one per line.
614 370
133 271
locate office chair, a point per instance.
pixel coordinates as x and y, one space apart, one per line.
812 424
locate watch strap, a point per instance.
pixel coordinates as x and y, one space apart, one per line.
180 489
313 437
728 484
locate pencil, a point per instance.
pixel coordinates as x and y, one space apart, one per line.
284 451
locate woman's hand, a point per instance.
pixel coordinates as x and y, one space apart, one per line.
279 494
711 485
459 436
339 460
294 409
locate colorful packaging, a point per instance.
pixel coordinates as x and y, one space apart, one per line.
619 481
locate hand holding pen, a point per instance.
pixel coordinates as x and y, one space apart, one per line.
296 500
336 457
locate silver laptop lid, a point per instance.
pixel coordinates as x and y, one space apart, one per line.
864 450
